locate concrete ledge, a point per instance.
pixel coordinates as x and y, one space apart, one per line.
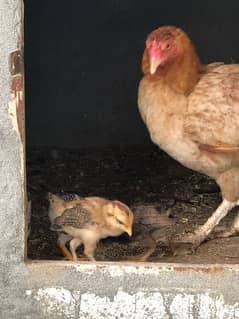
107 290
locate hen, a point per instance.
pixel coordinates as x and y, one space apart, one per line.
192 112
86 221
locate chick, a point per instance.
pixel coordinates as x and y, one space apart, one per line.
86 221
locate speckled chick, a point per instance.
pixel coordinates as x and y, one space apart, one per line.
86 221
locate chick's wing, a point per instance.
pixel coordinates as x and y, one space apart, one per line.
77 217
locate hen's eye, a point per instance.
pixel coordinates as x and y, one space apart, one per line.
120 222
167 46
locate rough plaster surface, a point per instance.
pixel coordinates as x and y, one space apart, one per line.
11 203
67 290
136 306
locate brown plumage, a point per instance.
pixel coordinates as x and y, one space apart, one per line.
86 221
192 112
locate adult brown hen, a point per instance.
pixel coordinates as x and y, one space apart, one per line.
192 112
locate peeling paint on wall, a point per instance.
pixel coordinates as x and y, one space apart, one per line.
56 301
117 270
17 99
16 108
141 305
16 112
16 105
12 109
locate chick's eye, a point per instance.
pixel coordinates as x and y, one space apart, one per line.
120 222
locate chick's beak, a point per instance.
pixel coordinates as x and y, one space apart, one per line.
129 231
154 64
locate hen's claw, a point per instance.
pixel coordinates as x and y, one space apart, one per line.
224 232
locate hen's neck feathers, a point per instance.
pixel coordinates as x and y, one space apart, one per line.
181 73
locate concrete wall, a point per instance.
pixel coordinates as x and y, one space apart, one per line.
35 290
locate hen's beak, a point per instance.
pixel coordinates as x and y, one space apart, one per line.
154 64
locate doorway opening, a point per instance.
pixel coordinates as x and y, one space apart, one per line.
84 132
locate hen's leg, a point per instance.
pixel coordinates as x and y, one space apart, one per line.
62 240
74 244
203 231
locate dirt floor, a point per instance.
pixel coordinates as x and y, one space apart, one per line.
167 200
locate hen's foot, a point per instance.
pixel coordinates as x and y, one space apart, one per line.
223 232
194 240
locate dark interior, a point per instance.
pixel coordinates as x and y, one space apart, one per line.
84 133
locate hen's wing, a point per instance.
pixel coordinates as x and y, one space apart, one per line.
77 217
212 119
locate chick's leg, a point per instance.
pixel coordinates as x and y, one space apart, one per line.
62 240
74 244
203 231
150 248
89 249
